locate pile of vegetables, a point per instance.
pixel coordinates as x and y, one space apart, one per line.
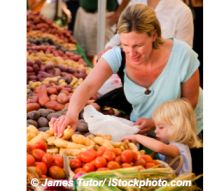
36 22
110 159
72 143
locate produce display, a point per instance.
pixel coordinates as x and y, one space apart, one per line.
54 71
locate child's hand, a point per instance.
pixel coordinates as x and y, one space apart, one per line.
130 138
145 125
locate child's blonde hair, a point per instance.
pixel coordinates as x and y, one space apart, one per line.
179 115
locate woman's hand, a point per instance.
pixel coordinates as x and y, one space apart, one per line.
145 125
60 124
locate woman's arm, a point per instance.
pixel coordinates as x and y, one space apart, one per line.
190 89
88 88
155 145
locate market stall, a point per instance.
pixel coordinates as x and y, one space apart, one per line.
55 68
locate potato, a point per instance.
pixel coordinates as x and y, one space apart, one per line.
55 115
53 150
32 122
62 98
52 90
53 97
32 106
43 122
43 129
50 140
54 105
34 115
32 128
43 112
42 95
68 133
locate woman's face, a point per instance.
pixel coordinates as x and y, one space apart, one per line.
137 46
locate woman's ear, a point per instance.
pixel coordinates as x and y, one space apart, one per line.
154 36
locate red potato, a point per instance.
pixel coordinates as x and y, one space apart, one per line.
62 98
52 90
53 97
42 95
54 105
32 106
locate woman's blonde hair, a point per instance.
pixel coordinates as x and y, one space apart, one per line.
179 115
140 18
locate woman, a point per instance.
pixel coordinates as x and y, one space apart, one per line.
156 70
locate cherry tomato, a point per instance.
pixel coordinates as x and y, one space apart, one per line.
140 162
48 159
75 163
147 158
128 156
113 165
117 151
149 165
58 160
89 167
88 156
100 162
109 155
118 159
101 150
80 170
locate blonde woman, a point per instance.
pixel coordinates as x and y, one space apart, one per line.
175 132
156 70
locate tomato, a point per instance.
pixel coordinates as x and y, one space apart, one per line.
147 158
140 162
88 156
89 167
100 162
42 166
75 163
126 165
80 171
48 159
38 154
118 159
128 156
113 165
29 148
109 155
30 161
150 164
101 150
40 145
117 151
58 160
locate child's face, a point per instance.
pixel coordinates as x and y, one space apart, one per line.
161 132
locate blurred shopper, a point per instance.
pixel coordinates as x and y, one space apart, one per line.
73 6
85 29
